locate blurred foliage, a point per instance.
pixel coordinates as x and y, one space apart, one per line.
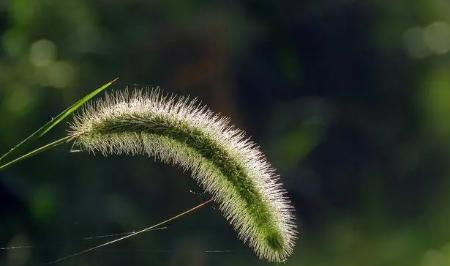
350 100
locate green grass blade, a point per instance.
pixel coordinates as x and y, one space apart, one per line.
56 120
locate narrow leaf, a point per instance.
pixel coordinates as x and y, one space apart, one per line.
56 120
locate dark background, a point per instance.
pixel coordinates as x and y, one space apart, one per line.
350 101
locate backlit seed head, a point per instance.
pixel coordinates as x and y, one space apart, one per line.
226 163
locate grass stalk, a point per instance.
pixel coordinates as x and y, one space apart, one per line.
37 151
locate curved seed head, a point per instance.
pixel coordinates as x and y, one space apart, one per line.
221 158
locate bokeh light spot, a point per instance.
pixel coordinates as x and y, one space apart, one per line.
437 37
42 53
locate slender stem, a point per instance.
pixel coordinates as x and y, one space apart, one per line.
17 146
132 234
36 151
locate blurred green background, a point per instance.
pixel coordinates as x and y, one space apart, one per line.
350 100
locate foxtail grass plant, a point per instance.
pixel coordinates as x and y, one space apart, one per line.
221 158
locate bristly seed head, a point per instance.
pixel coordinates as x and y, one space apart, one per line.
222 159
